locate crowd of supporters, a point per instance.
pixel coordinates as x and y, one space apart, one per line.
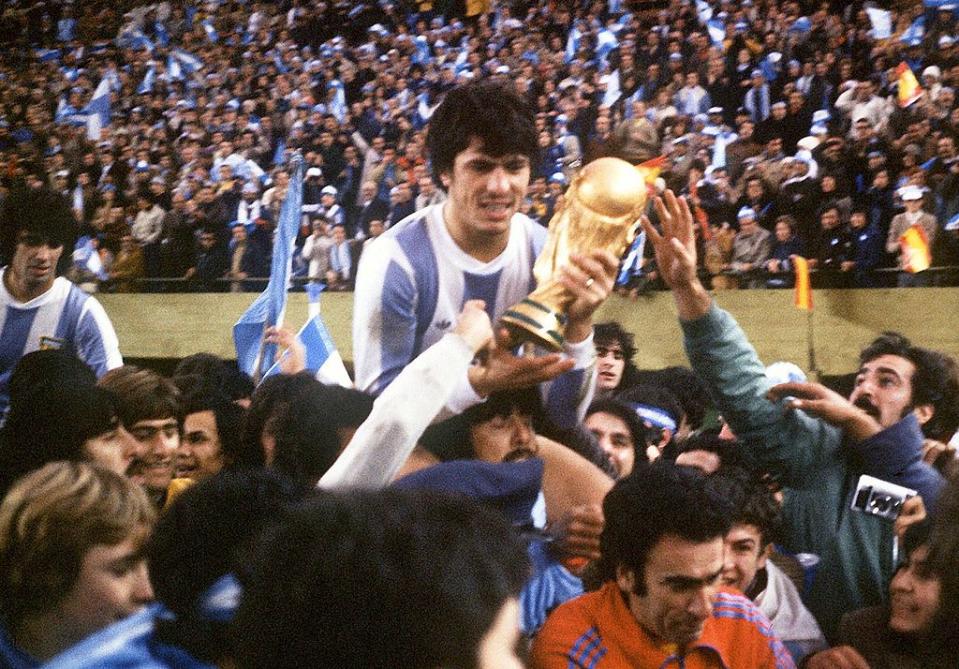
464 501
763 111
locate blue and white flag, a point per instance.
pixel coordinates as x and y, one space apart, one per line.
136 40
704 11
253 355
163 37
338 103
881 20
187 60
173 70
717 31
47 55
421 51
322 358
146 86
572 43
98 110
632 265
209 29
915 32
86 257
606 41
279 156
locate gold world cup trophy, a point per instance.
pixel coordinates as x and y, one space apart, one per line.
601 210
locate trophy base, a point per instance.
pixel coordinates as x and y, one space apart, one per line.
533 321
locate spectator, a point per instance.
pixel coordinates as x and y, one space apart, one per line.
803 447
473 621
913 216
664 525
752 246
71 538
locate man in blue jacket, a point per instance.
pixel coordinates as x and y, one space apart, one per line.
816 441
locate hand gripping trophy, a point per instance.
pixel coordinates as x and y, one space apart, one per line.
601 211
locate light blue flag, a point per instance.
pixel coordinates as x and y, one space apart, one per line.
173 69
572 43
605 42
704 11
881 20
146 85
163 37
47 55
253 356
279 156
338 104
98 110
915 32
633 262
187 60
136 40
210 30
717 31
322 358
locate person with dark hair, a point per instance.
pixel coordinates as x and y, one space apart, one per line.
615 348
475 245
439 576
688 389
661 601
63 422
749 566
71 561
915 628
46 366
620 433
817 442
661 414
38 309
212 429
149 407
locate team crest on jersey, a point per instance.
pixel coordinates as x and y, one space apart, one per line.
52 343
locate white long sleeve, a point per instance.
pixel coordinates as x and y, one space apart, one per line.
400 414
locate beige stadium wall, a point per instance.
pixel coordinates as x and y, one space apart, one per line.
177 325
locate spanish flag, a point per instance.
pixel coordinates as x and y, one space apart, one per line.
803 298
914 246
909 88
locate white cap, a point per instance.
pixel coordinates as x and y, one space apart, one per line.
910 193
327 190
314 172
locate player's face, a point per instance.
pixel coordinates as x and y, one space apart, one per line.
34 263
484 192
504 437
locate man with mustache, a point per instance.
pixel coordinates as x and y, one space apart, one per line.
37 309
816 441
412 283
150 410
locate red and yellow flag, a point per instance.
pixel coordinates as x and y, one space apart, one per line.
909 88
914 246
803 298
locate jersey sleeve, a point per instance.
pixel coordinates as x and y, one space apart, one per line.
95 340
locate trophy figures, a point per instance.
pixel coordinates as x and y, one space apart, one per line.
601 211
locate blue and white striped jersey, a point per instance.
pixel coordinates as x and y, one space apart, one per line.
63 317
412 283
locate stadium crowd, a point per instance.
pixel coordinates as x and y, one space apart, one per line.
771 113
462 503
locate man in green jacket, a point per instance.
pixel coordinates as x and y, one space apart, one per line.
816 441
